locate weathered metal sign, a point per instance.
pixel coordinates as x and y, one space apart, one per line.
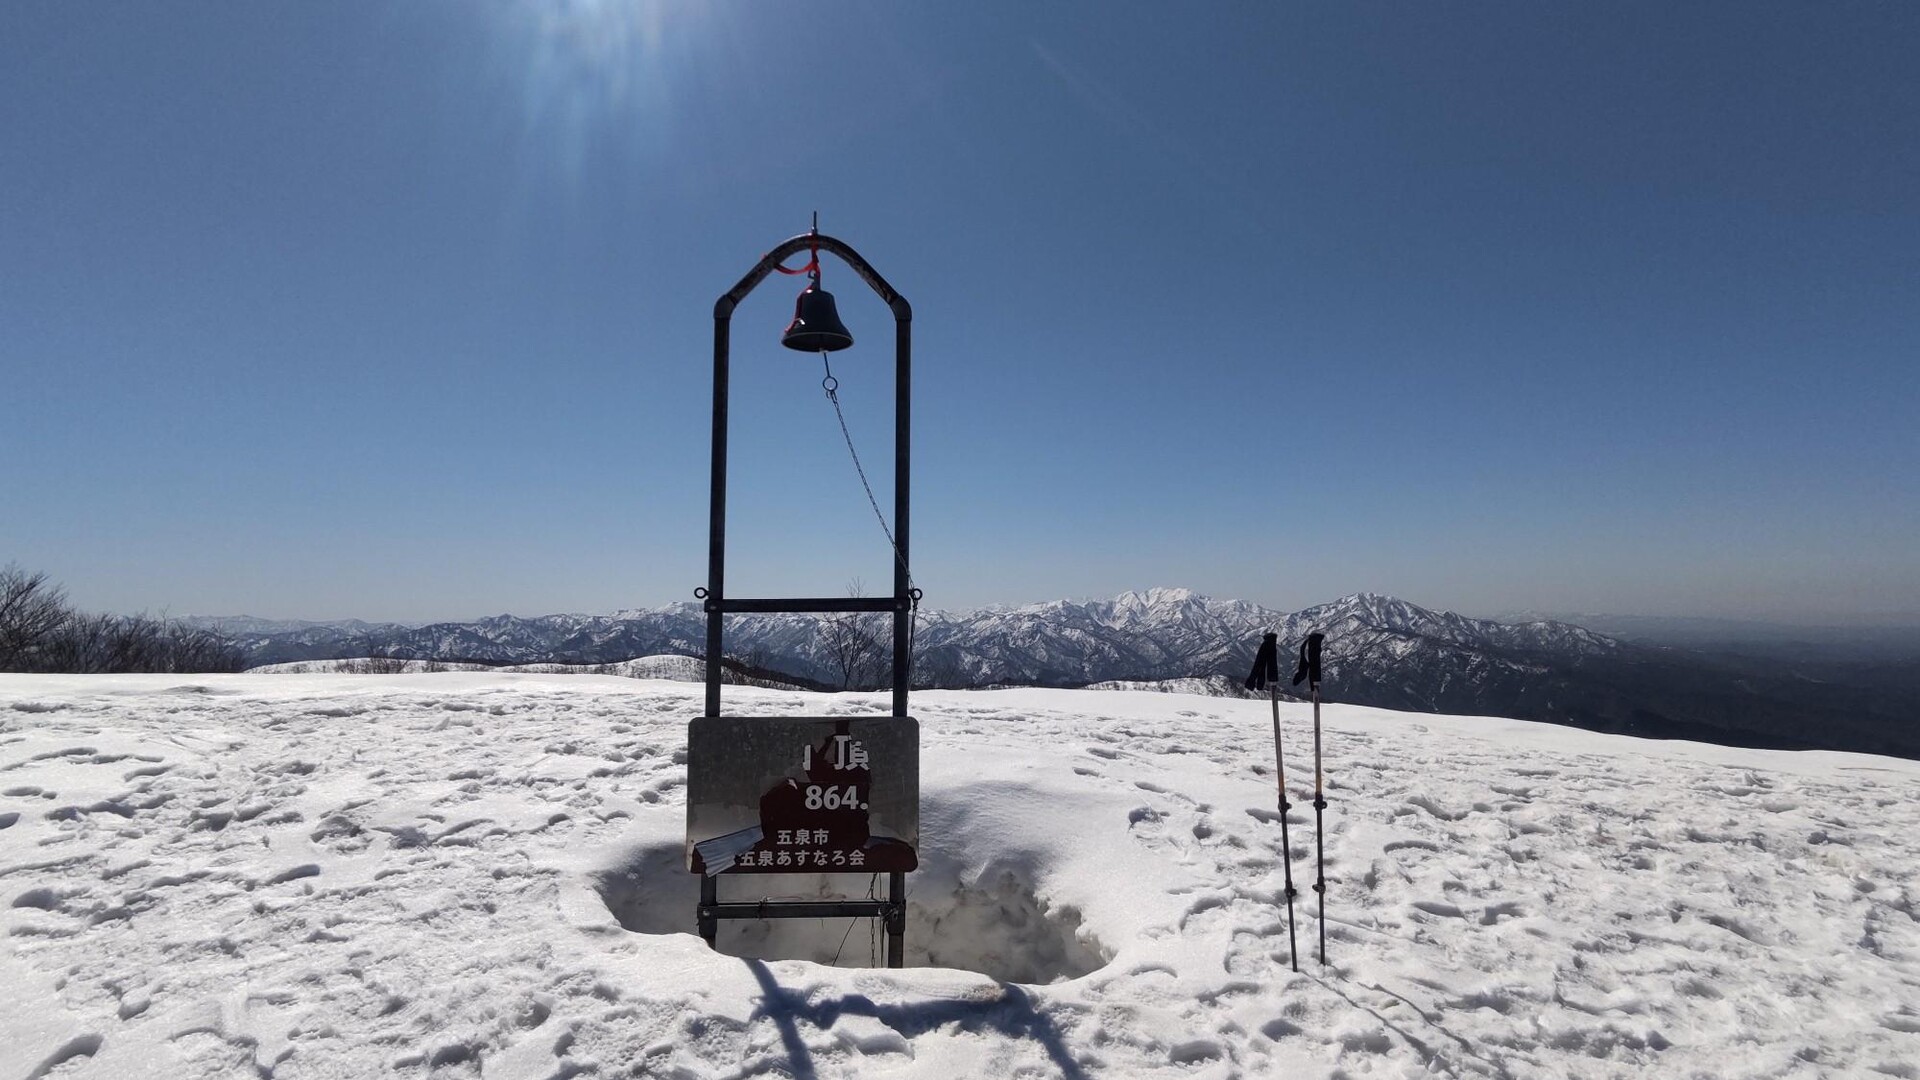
790 794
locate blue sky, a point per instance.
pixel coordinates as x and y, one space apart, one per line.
404 310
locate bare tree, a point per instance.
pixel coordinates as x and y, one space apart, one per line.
195 649
853 642
371 657
38 632
32 610
94 644
82 644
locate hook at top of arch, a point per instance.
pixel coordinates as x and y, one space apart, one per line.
723 307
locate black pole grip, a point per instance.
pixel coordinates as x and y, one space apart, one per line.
1266 664
1309 669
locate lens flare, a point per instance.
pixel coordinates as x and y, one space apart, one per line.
597 74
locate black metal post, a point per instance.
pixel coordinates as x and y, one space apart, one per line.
902 440
709 913
818 604
897 920
717 506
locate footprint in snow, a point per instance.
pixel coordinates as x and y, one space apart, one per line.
1432 807
80 1046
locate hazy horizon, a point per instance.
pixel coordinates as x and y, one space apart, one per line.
1886 620
400 312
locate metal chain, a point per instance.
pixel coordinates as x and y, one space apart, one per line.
832 386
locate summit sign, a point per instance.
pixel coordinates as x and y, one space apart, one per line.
774 795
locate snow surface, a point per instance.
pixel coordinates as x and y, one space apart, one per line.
478 874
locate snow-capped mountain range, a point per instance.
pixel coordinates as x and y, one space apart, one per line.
1380 651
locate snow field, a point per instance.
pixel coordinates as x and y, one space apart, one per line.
479 875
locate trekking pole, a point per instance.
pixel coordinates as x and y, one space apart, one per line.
1266 671
1309 670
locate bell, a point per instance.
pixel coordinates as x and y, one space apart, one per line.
816 325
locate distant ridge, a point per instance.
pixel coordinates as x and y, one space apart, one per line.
1381 651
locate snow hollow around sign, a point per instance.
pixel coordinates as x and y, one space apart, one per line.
993 924
480 875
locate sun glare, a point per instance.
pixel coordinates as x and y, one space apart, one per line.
603 42
597 69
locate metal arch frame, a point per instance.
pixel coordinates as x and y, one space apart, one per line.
893 910
717 604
